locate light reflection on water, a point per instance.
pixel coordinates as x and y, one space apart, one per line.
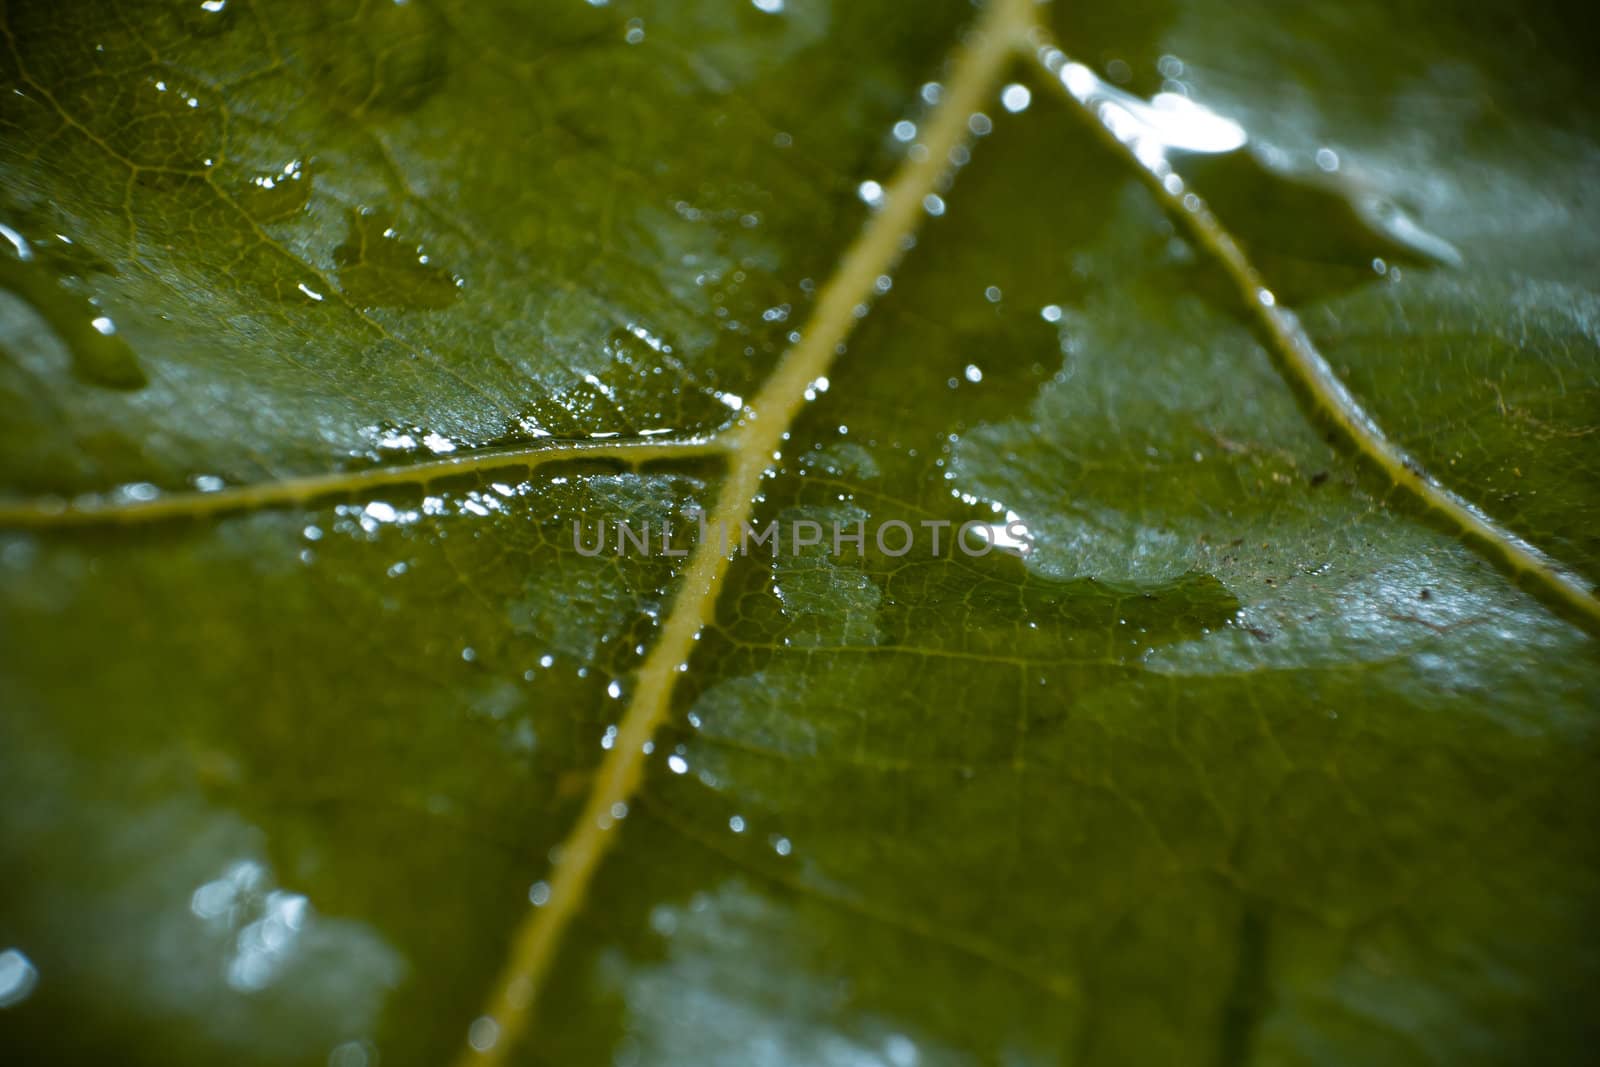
171 911
685 1004
18 976
267 922
1167 121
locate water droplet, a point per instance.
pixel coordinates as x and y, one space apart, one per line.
100 356
900 1051
1016 97
483 1033
275 194
18 976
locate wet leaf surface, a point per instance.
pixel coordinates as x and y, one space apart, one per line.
1248 759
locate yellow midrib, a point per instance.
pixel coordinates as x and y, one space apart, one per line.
754 445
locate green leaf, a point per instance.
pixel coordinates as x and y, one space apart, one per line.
323 742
